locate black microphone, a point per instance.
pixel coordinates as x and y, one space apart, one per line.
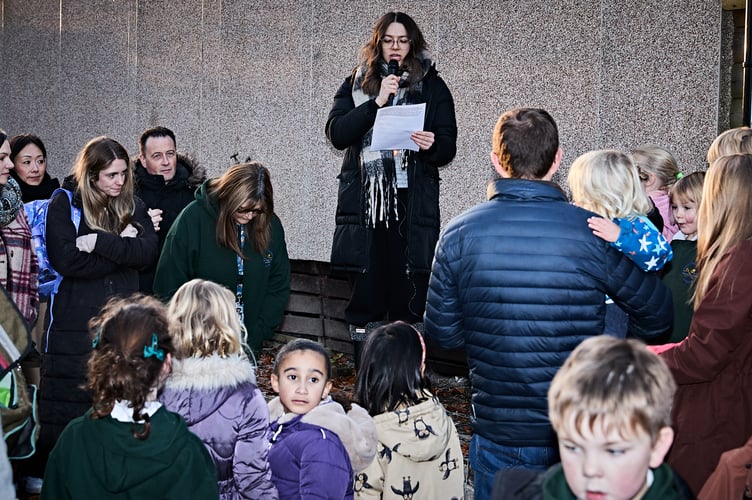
392 70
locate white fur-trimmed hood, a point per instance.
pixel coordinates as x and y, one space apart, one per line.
355 428
212 372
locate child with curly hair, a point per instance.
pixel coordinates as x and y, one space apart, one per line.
128 445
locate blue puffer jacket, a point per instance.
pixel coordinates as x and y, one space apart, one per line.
519 281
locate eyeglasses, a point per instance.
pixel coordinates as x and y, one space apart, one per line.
244 211
389 41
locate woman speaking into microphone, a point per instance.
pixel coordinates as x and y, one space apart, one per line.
387 220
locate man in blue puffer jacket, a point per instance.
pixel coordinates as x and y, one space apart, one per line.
520 281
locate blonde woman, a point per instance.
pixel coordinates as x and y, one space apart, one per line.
230 235
99 260
606 182
733 141
213 387
713 365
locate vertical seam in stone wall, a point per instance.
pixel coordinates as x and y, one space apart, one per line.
599 80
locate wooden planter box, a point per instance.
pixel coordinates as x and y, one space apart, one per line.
316 310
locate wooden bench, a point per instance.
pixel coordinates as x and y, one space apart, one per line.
316 310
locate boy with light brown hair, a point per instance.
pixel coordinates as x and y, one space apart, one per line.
610 405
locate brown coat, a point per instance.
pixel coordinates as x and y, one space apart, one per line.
713 370
732 476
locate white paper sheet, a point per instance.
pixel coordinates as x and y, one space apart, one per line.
394 124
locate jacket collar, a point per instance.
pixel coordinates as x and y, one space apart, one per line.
524 189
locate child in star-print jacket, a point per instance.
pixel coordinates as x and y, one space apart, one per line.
418 455
607 182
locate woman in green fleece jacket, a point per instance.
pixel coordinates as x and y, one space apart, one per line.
230 235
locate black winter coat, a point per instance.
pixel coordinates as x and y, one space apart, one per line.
519 281
345 128
89 280
171 197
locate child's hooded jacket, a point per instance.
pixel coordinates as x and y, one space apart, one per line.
418 456
314 455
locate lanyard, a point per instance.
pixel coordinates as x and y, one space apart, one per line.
239 287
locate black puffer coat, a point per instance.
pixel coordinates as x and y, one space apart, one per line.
89 280
519 282
345 128
171 197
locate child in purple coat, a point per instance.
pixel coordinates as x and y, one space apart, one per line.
213 387
315 445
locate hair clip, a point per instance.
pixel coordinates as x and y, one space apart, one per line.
95 342
679 176
153 349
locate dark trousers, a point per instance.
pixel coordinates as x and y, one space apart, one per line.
388 291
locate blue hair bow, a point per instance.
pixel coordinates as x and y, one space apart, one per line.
153 349
97 335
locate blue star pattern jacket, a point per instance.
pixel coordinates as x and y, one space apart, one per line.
641 241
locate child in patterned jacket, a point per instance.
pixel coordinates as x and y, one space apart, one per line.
608 183
419 454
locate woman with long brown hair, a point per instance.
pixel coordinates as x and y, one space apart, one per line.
387 219
230 235
98 248
713 365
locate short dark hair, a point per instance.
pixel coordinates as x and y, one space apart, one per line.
18 142
3 137
390 374
302 345
155 132
526 141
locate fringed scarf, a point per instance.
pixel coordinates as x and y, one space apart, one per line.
20 273
378 169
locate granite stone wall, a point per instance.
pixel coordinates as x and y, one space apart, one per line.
256 78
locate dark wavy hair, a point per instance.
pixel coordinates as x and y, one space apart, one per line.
372 57
3 138
118 369
390 375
